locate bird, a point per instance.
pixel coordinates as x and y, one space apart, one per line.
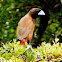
26 25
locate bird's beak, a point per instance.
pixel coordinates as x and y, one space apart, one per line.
41 13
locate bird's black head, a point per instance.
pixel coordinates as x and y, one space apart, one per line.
35 12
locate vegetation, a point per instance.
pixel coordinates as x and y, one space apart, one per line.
45 52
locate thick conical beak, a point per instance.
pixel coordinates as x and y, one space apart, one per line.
41 13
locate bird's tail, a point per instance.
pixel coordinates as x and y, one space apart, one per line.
22 42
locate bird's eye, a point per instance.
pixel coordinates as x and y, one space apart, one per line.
38 10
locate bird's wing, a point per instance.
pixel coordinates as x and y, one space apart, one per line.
24 28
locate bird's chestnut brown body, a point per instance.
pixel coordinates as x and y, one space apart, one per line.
26 26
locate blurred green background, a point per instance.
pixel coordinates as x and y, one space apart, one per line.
12 10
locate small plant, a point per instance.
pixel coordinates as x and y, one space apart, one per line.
14 52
